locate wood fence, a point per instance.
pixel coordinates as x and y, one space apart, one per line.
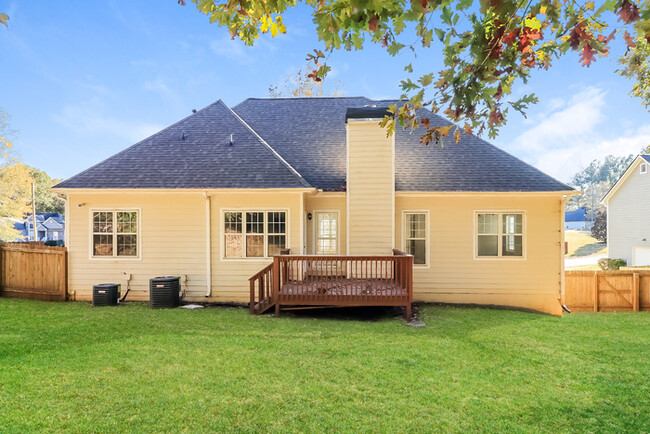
33 271
604 291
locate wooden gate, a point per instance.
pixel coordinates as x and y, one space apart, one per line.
33 271
603 291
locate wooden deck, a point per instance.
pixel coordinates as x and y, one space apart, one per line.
308 281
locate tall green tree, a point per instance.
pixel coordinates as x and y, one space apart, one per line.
46 199
607 171
595 180
487 46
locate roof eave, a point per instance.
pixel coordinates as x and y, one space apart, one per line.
181 190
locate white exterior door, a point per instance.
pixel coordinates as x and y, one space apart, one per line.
326 232
641 256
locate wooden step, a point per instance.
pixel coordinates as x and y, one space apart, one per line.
263 306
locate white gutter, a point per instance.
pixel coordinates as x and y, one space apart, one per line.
208 247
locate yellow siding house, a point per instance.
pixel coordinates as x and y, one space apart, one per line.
215 196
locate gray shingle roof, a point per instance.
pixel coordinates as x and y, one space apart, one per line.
297 143
310 134
646 158
204 158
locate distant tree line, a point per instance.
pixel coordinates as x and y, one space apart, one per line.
595 180
16 180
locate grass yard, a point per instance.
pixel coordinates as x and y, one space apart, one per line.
583 244
67 366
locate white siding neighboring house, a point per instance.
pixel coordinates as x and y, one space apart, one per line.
628 214
50 226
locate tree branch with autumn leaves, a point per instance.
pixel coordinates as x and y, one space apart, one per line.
487 47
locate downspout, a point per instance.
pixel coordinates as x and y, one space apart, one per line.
208 246
66 216
66 237
563 201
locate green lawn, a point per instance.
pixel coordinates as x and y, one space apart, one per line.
67 366
583 244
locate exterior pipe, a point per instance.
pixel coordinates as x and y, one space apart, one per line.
208 247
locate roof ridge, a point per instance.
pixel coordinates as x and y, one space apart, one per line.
304 97
264 142
138 143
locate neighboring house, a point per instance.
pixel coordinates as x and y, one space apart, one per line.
50 226
215 195
577 220
628 214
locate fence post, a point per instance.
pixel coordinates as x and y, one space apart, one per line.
2 272
596 295
63 277
635 292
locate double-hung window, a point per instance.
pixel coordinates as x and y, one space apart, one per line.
254 234
416 236
500 234
115 233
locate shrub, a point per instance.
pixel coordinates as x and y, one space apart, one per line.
611 264
599 228
54 243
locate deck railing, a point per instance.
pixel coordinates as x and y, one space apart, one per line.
261 285
316 280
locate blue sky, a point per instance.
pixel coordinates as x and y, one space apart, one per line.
83 80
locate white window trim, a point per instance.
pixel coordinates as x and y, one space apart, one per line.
524 235
427 241
114 257
315 231
244 210
643 168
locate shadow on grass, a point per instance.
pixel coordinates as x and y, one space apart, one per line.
438 315
589 249
361 314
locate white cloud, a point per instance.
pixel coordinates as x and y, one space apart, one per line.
158 85
232 49
237 51
87 120
574 132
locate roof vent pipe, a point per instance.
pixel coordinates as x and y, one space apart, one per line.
193 110
231 142
183 136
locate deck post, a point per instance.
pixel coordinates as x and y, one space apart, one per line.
409 295
252 302
276 284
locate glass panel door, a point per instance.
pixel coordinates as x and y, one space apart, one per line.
327 227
